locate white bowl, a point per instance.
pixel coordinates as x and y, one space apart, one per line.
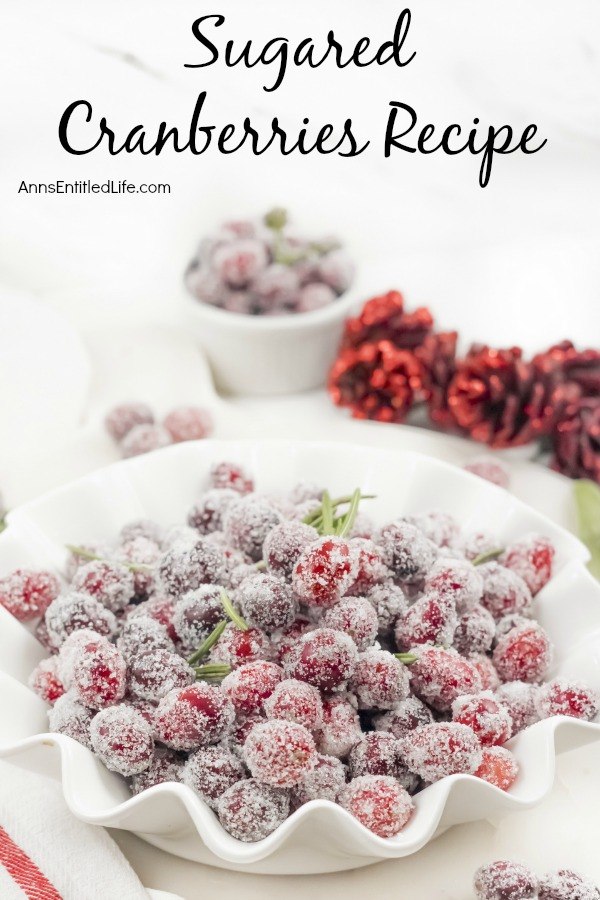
320 837
270 354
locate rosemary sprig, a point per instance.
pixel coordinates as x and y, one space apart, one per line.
488 555
232 612
327 507
316 517
87 554
347 521
207 644
406 658
211 672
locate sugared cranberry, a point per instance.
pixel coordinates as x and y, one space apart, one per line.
242 727
284 544
324 658
250 811
504 591
523 654
440 749
154 673
194 716
188 423
235 647
457 579
389 602
110 583
567 885
406 551
296 701
476 543
504 880
184 569
324 782
378 802
122 418
475 631
165 765
141 634
144 554
99 674
403 717
210 771
70 612
324 572
207 514
250 685
341 727
42 636
160 607
267 602
498 767
491 469
440 676
144 439
247 523
380 681
520 700
488 718
562 697
231 475
122 739
69 716
280 753
27 594
532 559
490 679
431 619
377 753
284 642
370 568
45 681
136 528
354 616
196 614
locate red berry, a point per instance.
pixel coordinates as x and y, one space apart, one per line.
356 617
370 568
296 701
161 608
250 811
406 551
122 739
532 559
194 716
523 654
403 717
121 419
504 880
457 579
324 782
380 681
45 681
440 676
280 753
284 642
439 527
230 475
242 727
491 469
440 749
99 674
430 620
145 528
210 771
156 672
475 631
70 612
207 515
267 602
250 685
341 727
42 636
324 658
183 569
196 614
110 583
141 634
504 591
165 765
567 885
324 572
236 647
377 753
477 542
379 803
70 717
498 767
27 594
144 439
562 697
284 544
490 679
389 602
247 522
488 718
144 554
519 699
188 423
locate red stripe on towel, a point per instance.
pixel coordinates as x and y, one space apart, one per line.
24 871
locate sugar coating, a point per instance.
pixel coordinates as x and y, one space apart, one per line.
406 550
72 611
141 551
267 602
356 617
380 681
279 753
236 738
231 475
458 579
439 527
196 614
371 569
99 674
184 569
323 782
520 700
122 418
45 680
144 439
295 701
377 753
440 749
69 716
122 739
524 653
378 802
532 558
69 652
165 765
324 572
475 543
182 536
27 593
140 634
250 811
490 469
504 591
250 685
282 642
505 880
432 619
284 544
235 648
154 673
207 514
490 679
324 658
389 602
159 607
146 528
404 717
439 676
191 717
486 715
110 583
41 634
567 885
498 767
475 631
341 727
188 423
247 523
210 771
563 697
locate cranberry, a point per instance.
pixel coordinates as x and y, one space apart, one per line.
491 469
191 717
184 569
238 262
231 475
389 603
562 697
196 614
284 642
70 651
507 623
490 679
27 594
188 423
249 686
504 880
247 523
165 765
324 658
110 583
371 569
267 602
145 528
70 612
430 620
380 681
70 717
141 634
475 631
504 591
207 515
236 647
498 767
250 811
296 701
440 676
121 419
159 607
42 636
122 739
532 559
403 717
519 699
284 544
324 782
457 579
378 802
377 753
242 727
324 572
523 654
279 753
80 556
99 674
440 749
154 673
567 885
144 554
144 439
210 771
475 544
356 617
341 727
406 551
488 718
439 527
45 681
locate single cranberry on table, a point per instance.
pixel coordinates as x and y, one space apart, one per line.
379 803
250 685
27 593
567 885
188 423
210 771
122 418
251 811
505 880
122 739
194 716
280 753
491 469
144 439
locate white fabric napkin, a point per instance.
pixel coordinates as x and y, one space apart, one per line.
47 854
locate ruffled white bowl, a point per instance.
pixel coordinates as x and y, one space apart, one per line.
320 837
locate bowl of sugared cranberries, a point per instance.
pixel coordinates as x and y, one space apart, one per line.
267 304
293 657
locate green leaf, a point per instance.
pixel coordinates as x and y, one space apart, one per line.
587 501
488 555
406 658
350 517
327 527
232 612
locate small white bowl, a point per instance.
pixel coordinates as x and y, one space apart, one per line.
270 354
320 836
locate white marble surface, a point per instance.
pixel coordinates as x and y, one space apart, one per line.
514 263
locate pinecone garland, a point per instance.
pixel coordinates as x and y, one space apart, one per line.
577 440
384 318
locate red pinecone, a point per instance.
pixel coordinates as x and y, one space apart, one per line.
580 366
384 318
577 440
438 355
377 381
